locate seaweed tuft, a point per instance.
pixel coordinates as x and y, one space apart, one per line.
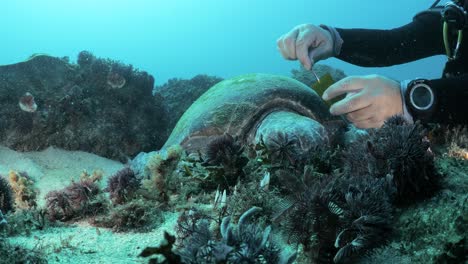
122 186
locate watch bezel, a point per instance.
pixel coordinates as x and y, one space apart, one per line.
420 84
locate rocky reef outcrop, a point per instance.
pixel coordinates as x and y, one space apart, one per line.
96 105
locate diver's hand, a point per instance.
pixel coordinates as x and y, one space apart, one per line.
306 43
370 100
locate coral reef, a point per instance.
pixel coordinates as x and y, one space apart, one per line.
80 107
23 189
175 89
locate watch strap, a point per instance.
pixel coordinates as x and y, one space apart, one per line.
406 114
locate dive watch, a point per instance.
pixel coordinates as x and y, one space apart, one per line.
419 97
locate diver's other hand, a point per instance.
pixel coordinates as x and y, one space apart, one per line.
306 43
369 101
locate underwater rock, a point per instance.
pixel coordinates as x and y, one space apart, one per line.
97 105
435 230
179 94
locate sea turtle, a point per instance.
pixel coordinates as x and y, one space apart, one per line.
253 107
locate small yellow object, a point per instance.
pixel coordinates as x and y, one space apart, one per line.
320 86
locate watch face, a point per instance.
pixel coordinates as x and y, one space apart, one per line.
422 97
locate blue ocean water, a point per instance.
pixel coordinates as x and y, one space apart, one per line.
182 38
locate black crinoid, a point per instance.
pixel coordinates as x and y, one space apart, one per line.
401 150
6 197
245 242
284 149
228 152
341 218
122 186
366 216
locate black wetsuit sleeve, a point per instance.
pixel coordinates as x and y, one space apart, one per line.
421 38
450 105
376 48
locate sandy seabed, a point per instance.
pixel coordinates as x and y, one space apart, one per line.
80 242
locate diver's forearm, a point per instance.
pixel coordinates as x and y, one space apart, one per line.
451 101
376 48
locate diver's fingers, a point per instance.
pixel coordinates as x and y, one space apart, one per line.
350 104
368 123
306 40
281 47
318 53
360 115
348 84
289 44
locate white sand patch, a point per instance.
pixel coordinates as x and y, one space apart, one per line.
85 244
79 243
54 168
